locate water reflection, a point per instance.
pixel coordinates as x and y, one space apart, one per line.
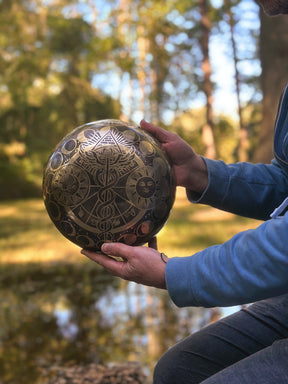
66 327
60 314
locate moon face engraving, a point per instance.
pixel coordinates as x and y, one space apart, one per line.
108 181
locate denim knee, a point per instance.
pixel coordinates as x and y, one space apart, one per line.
179 366
160 371
166 371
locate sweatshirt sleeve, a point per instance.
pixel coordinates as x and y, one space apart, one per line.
251 190
251 266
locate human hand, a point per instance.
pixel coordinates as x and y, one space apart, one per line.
143 265
189 168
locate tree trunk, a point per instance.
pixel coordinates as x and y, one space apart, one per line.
123 20
207 132
274 61
243 142
142 64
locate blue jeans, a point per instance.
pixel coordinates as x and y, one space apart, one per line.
248 347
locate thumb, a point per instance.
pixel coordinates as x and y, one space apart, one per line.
160 134
117 250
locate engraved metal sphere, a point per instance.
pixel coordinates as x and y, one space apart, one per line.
108 181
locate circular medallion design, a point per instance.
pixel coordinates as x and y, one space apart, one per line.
108 181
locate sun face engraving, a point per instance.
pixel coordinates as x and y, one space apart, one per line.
145 187
70 185
141 187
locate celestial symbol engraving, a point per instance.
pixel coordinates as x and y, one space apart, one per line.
146 148
69 146
56 161
108 181
145 187
71 185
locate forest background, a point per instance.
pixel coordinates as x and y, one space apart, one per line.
212 71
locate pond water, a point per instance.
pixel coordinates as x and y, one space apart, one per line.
63 313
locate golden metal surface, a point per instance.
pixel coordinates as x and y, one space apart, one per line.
108 181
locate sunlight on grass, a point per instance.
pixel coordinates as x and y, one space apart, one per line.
28 235
191 227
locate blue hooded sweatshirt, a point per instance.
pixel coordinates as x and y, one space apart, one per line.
252 265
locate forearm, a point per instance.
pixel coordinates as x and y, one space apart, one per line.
251 266
252 190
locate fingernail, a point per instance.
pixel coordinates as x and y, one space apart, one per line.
106 247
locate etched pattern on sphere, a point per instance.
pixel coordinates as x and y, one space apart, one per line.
108 181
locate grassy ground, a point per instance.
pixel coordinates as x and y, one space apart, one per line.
27 234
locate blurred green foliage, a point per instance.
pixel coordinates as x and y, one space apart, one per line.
46 65
59 63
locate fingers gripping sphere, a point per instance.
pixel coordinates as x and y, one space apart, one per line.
108 181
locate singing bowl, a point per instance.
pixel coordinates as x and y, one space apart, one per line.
108 181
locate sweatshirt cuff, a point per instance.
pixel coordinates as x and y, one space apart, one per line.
218 182
178 269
